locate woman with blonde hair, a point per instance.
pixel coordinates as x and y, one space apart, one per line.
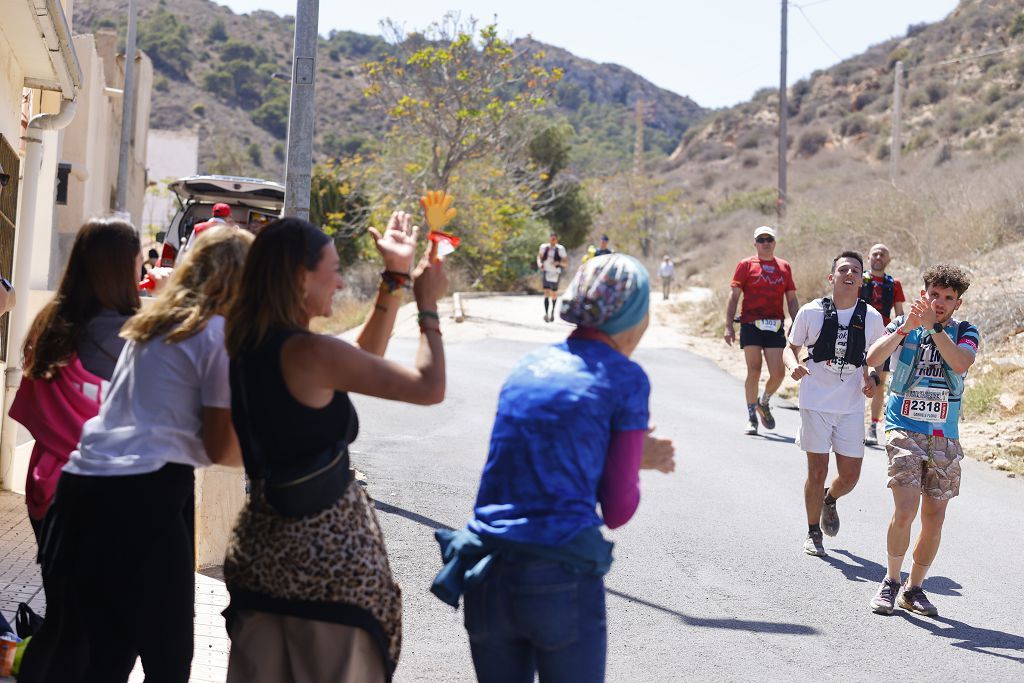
117 544
71 349
335 613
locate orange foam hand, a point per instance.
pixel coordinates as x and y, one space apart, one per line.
437 207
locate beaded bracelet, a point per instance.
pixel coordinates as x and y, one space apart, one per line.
394 281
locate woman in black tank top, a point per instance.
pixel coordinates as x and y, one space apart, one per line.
307 555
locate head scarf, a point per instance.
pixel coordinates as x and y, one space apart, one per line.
610 293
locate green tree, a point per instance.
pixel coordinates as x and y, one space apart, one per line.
463 92
272 116
218 31
339 203
165 40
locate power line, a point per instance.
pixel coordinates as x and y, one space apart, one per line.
816 31
967 58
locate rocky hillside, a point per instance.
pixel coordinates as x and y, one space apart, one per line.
216 73
961 93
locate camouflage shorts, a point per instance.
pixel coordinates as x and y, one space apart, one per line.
928 463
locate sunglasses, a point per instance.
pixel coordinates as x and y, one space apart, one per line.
764 240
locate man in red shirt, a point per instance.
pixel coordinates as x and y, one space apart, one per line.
764 281
885 294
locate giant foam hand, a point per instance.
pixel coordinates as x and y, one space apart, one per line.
437 207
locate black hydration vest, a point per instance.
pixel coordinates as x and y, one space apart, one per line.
888 293
824 348
547 250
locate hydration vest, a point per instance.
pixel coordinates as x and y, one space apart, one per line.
910 355
547 250
888 292
824 349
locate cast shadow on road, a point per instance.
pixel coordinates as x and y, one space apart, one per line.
967 637
778 438
866 571
731 624
414 516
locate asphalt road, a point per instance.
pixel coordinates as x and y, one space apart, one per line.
710 581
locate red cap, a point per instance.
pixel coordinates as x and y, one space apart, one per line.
221 210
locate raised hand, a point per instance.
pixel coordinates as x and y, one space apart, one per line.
397 246
914 316
436 206
429 282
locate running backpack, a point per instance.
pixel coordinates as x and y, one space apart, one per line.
888 292
824 348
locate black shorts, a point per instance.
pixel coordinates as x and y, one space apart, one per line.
751 336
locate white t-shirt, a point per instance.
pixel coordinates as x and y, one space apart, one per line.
548 264
832 387
666 269
152 414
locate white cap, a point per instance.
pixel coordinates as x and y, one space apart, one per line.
764 230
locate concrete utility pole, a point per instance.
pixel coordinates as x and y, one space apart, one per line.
783 116
298 165
127 114
897 112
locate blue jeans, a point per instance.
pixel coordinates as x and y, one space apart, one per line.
533 616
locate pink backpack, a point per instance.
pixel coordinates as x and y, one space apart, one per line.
54 412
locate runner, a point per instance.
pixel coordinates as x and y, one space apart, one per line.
885 294
837 332
551 259
931 353
667 272
764 281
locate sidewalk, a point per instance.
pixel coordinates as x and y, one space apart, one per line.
20 582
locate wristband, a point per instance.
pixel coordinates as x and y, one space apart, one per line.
878 380
427 315
393 281
899 331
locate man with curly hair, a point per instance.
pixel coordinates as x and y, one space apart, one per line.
931 353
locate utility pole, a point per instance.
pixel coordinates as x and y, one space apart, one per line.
896 147
298 165
127 115
783 116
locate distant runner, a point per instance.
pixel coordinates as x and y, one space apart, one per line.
885 294
931 353
764 281
667 272
837 332
551 260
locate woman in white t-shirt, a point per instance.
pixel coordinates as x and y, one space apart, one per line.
117 543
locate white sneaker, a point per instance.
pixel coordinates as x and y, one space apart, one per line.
871 434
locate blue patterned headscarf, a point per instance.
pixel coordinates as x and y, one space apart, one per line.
610 293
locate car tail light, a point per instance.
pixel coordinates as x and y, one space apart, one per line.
167 256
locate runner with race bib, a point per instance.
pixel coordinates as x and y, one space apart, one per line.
764 281
834 380
930 354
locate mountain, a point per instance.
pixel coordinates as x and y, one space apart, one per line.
961 93
216 73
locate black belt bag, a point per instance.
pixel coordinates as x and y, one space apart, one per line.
310 493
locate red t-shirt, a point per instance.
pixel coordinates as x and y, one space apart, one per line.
876 296
764 285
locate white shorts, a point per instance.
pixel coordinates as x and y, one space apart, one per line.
842 433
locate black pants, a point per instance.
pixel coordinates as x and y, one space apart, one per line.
117 558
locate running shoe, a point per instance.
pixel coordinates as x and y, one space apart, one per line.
913 599
885 597
751 426
871 436
829 518
813 544
765 413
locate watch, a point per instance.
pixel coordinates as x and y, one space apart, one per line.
936 328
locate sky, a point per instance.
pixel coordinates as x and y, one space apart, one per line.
718 52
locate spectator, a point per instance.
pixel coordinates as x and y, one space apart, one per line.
71 349
117 544
667 273
602 248
335 614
